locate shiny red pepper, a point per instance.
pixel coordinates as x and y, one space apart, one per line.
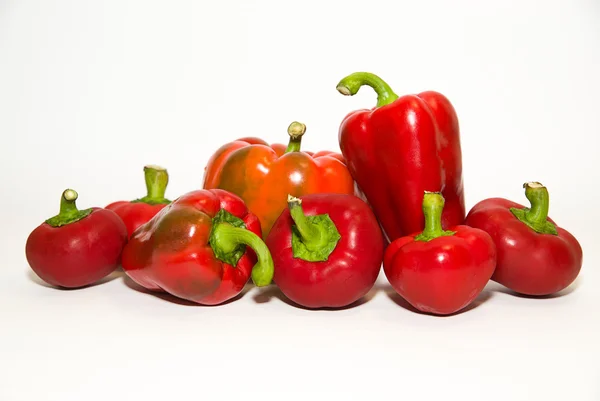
535 256
440 271
137 212
201 248
327 250
401 148
76 247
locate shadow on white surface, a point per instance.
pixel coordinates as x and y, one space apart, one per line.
173 299
37 280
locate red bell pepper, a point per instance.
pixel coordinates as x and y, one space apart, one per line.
137 212
535 256
327 250
201 248
76 247
440 271
404 146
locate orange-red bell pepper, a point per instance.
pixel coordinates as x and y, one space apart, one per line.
263 175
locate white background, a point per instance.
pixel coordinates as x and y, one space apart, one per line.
92 91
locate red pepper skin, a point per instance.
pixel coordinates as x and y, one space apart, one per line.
138 212
171 253
350 270
79 253
398 150
134 214
443 275
529 262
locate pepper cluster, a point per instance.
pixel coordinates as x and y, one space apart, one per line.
320 226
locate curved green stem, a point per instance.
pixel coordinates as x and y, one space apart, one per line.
433 206
350 85
157 179
295 131
228 239
313 237
68 210
536 217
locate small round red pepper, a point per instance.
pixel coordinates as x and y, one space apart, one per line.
440 271
137 212
76 247
327 250
201 247
535 256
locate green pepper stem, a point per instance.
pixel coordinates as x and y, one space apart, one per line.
350 85
295 131
157 179
68 212
228 238
536 217
433 206
310 234
68 202
538 196
315 237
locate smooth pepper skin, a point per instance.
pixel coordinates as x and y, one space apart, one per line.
264 175
529 262
76 248
138 212
444 271
399 149
351 268
173 252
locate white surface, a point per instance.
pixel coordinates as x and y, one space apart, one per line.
138 82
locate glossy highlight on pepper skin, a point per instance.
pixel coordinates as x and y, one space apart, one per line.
440 271
263 175
401 148
172 253
529 262
350 270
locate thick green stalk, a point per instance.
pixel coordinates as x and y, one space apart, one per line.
313 237
295 131
68 210
433 206
536 216
228 239
157 179
350 85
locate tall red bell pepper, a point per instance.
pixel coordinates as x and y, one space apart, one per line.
404 146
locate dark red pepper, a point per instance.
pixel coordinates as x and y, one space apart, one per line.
535 256
202 248
76 248
404 146
440 271
327 250
137 212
